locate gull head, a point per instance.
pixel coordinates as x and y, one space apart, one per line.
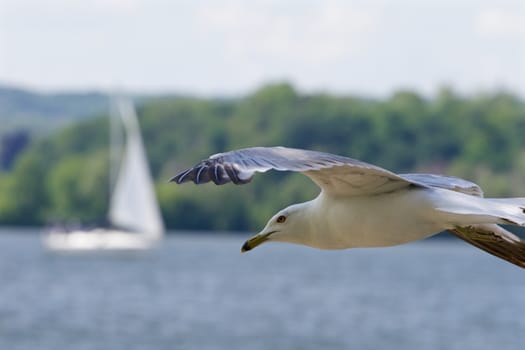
288 225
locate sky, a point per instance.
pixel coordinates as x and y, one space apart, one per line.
214 47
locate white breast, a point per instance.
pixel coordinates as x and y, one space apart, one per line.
372 221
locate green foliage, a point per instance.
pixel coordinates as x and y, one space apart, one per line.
65 177
23 197
72 185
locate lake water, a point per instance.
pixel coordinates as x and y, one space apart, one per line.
199 292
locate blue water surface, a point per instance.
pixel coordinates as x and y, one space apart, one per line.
199 292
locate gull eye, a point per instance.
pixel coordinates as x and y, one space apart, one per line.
281 219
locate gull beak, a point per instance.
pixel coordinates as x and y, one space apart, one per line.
255 241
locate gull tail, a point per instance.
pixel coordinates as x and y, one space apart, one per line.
463 210
475 220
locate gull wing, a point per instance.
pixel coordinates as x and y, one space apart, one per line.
447 182
336 175
494 240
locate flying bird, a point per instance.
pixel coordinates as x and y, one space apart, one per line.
363 205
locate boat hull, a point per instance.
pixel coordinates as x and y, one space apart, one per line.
97 240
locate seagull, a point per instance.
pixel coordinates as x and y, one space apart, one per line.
363 205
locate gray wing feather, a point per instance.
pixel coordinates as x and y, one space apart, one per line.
446 182
334 174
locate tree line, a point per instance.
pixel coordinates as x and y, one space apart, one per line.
64 176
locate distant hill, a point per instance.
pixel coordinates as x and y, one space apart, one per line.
44 112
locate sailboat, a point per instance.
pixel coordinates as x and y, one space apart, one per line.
134 214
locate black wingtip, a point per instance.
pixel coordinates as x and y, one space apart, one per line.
176 179
211 170
181 177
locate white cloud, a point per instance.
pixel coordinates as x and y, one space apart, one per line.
325 32
17 7
500 22
230 46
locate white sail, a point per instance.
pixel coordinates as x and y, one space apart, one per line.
134 212
133 204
